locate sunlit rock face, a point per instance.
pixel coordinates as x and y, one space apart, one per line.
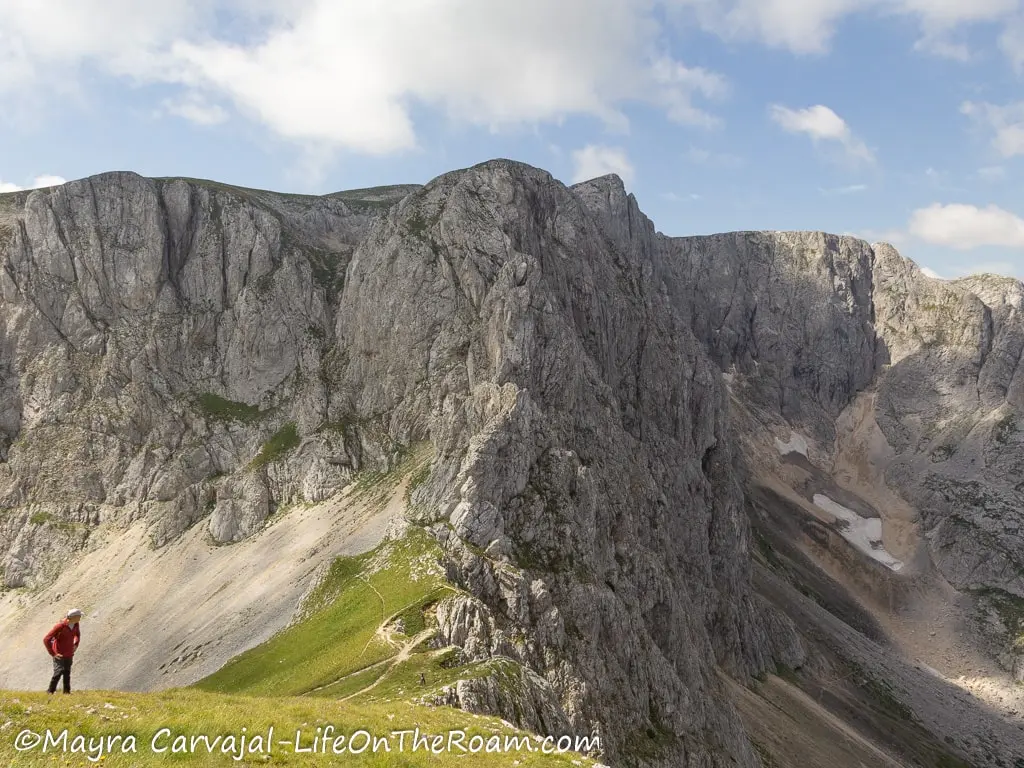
186 353
600 399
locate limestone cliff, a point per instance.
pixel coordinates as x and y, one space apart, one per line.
189 354
604 404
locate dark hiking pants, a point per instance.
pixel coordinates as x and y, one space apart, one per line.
61 668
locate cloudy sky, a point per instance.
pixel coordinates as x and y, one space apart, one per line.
897 120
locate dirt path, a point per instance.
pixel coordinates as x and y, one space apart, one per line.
380 633
385 635
359 671
403 655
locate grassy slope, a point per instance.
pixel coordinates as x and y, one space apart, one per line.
340 633
353 660
193 712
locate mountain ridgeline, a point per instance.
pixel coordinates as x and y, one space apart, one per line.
637 441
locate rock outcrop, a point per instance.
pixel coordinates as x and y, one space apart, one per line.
157 336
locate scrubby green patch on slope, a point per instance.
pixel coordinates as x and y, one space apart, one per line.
217 408
282 441
1010 611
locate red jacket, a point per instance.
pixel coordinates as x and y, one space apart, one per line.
62 639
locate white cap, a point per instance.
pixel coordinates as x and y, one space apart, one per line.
74 612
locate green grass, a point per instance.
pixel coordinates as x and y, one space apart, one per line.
217 408
282 441
136 719
787 673
413 618
339 638
338 651
391 193
353 683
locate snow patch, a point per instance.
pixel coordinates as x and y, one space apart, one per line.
797 444
865 533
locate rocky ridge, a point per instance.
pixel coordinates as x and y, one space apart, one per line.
600 399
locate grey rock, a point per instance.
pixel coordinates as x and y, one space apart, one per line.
126 302
599 397
513 692
242 504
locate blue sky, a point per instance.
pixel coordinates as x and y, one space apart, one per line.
897 120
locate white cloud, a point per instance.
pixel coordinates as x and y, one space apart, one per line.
1006 124
678 82
932 273
941 19
808 26
195 109
822 125
967 226
801 26
350 75
595 160
45 180
819 122
50 41
1011 43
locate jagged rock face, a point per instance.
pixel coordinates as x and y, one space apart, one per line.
584 462
127 305
833 317
950 406
909 387
584 480
789 312
806 326
803 323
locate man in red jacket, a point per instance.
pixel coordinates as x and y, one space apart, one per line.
61 643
